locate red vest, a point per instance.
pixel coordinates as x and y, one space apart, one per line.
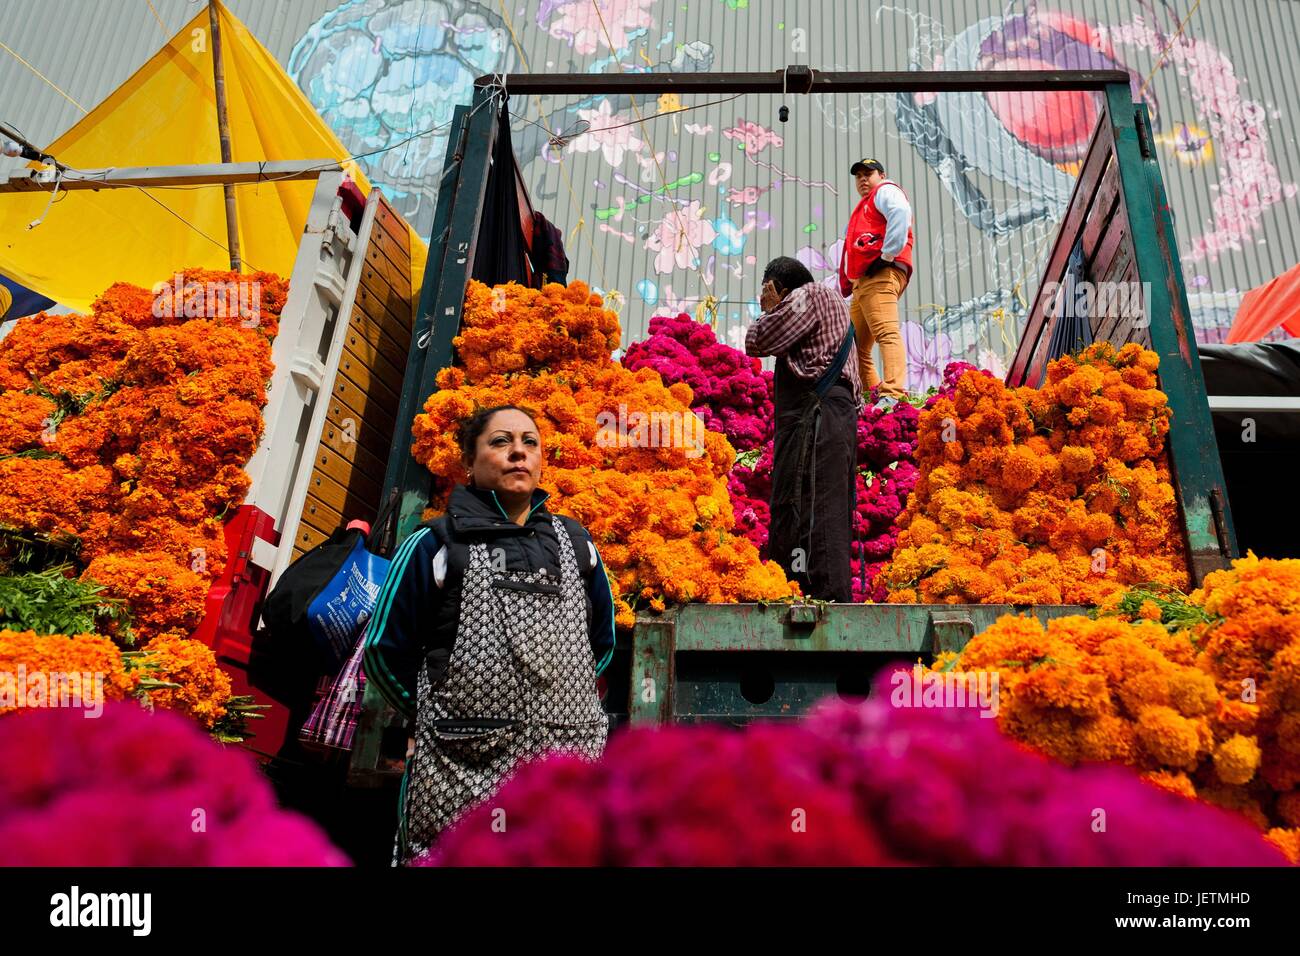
863 239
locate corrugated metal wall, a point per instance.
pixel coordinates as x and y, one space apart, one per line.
988 177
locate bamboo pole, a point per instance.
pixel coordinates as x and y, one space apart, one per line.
223 128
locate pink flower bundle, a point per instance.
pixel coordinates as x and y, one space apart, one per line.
855 784
750 486
732 392
886 476
881 498
133 788
887 436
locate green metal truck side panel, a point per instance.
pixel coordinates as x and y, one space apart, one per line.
1194 454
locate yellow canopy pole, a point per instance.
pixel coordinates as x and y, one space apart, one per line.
223 129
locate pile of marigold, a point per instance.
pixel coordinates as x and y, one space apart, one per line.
659 511
1059 494
173 673
1200 694
128 428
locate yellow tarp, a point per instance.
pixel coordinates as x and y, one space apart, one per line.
166 115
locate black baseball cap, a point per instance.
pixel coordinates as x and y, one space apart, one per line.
866 166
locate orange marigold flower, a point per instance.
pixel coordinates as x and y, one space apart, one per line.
1236 760
57 656
162 595
204 687
23 420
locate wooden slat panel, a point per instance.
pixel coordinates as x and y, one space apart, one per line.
397 280
336 496
373 383
1124 329
391 299
379 338
376 359
398 254
316 514
368 435
1118 260
374 306
394 227
1106 329
358 455
308 538
1105 209
1037 334
357 481
354 397
1109 244
376 417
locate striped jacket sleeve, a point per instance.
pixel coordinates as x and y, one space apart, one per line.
403 621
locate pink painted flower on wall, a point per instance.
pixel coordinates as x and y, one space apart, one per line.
579 23
991 360
1249 182
755 137
927 354
608 134
679 236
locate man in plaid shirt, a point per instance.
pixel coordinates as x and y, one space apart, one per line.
818 395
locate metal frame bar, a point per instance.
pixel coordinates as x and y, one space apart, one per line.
1193 452
886 629
1254 403
802 80
442 297
207 174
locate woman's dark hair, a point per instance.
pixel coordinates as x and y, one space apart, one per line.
471 428
787 274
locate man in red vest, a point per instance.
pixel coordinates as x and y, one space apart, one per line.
875 268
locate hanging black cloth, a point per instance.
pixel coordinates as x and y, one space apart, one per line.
1073 331
501 254
550 264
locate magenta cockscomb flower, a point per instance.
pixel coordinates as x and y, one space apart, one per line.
131 788
671 797
942 785
856 783
732 392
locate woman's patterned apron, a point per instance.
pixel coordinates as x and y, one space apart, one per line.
520 682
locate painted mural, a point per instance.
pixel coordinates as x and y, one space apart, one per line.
672 206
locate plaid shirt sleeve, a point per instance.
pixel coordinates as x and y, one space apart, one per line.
776 332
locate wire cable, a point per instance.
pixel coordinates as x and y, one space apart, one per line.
710 300
564 173
4 46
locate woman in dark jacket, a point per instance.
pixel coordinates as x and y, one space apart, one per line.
492 625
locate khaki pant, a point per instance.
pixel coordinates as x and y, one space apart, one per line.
874 310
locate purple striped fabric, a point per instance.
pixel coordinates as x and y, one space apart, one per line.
333 721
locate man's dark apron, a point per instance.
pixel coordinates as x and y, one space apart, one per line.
813 488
